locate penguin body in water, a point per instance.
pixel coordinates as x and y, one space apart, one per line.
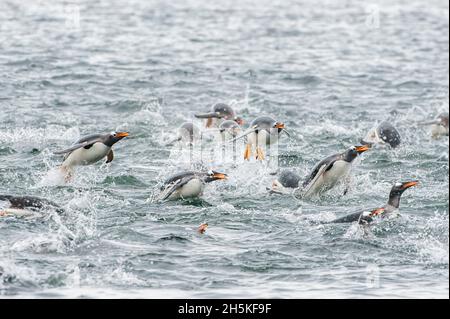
330 172
369 216
383 134
439 126
26 206
188 185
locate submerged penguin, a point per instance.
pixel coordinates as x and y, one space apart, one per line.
367 217
330 172
439 126
383 134
264 131
25 206
286 181
188 185
90 149
220 112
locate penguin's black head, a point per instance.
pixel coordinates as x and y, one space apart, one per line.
212 176
353 152
400 187
397 190
114 137
224 111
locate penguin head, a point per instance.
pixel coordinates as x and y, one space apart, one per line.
352 153
279 125
114 137
212 176
400 187
224 111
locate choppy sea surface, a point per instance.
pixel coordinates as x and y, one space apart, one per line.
330 71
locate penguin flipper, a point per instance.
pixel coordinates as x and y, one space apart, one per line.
87 144
173 187
110 157
315 175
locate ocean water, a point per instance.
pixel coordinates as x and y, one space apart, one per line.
329 70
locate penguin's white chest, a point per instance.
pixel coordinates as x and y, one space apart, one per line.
192 189
263 138
89 156
330 178
337 173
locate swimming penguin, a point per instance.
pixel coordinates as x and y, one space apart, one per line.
384 133
220 112
287 180
263 131
188 184
229 129
439 126
25 206
367 217
330 172
187 134
90 149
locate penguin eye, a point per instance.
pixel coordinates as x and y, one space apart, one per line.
210 173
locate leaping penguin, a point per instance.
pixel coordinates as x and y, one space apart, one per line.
188 185
367 217
25 206
220 112
90 149
330 172
383 134
263 131
439 126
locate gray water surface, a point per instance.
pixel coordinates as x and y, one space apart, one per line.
331 71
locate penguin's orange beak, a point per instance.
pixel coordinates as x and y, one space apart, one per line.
410 184
122 134
220 176
362 149
280 125
202 228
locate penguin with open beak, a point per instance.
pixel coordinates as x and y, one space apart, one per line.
90 149
392 206
439 126
264 131
187 185
220 112
330 172
26 206
383 134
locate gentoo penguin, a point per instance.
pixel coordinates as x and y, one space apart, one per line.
367 217
220 112
383 134
188 184
439 126
25 206
330 172
229 129
187 134
91 149
263 131
287 180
